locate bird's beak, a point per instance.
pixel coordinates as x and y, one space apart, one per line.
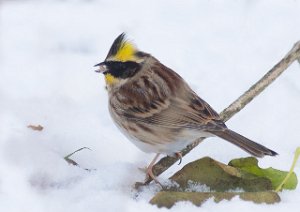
102 67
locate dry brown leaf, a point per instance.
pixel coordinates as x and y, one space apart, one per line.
36 127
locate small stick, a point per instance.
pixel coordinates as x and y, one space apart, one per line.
70 161
297 154
294 54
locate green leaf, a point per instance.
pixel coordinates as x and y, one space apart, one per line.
276 176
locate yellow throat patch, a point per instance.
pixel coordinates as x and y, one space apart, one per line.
110 79
126 52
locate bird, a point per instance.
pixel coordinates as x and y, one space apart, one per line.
155 108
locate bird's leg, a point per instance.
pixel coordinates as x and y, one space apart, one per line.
179 155
149 169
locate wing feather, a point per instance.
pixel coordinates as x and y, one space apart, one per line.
165 100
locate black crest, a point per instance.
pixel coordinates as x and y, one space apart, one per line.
116 45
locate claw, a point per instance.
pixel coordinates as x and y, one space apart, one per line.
179 155
149 171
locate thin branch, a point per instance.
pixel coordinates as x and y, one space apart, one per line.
266 80
237 105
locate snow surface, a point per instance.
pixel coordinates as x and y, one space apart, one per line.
47 53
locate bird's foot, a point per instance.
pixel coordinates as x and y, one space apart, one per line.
179 155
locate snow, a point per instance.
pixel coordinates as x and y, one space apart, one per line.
47 52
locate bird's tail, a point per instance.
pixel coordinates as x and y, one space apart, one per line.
244 143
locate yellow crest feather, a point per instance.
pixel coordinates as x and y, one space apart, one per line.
126 52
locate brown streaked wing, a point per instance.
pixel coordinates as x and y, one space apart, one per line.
171 106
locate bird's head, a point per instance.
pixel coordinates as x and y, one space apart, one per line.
123 61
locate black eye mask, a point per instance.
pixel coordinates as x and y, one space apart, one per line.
122 69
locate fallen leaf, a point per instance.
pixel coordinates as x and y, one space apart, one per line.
219 177
250 165
36 127
169 198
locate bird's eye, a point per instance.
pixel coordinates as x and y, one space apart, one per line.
122 65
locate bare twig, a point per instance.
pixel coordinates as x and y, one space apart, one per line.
72 162
266 80
237 105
